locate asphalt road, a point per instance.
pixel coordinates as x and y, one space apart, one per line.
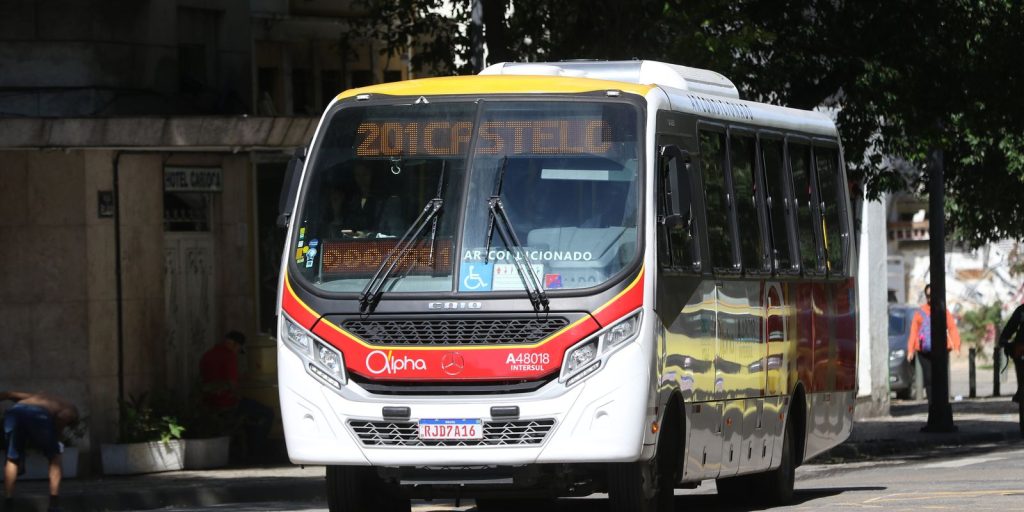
978 479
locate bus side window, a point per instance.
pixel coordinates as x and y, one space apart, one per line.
716 201
806 209
753 250
826 162
777 203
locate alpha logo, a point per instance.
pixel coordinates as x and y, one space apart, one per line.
452 363
378 362
455 305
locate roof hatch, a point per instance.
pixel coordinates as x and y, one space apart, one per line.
645 72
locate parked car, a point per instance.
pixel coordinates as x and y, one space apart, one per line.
901 371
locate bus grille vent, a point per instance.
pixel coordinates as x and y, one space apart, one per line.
493 331
496 433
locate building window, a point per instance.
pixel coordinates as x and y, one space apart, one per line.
198 48
302 92
187 211
330 85
266 82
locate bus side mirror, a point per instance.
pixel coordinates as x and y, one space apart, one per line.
677 186
290 187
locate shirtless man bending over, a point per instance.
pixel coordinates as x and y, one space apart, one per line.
37 419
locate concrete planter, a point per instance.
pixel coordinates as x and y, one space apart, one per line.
207 453
136 458
38 468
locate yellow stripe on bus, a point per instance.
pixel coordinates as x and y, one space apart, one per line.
497 84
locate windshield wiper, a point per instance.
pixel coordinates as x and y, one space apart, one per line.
374 287
498 216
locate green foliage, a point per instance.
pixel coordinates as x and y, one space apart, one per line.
144 420
905 77
975 324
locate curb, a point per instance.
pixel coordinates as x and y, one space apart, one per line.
874 448
191 493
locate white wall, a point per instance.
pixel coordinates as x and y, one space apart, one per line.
873 350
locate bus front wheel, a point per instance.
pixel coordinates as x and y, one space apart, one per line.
359 489
646 486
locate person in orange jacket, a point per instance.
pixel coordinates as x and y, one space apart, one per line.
920 339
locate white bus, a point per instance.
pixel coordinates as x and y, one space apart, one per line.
565 278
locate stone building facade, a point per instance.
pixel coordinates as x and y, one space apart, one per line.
142 150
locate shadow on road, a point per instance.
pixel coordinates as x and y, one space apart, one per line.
800 497
703 501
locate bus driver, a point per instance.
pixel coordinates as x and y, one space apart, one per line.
363 208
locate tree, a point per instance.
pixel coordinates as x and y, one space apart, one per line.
905 76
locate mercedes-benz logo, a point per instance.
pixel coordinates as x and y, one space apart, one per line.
452 363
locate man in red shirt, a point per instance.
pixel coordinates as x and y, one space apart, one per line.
218 369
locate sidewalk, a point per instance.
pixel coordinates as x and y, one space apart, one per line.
979 421
982 422
179 489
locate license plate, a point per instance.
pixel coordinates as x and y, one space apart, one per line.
451 429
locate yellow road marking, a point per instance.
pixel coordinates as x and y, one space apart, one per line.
919 496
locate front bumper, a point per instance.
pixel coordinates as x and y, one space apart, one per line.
600 419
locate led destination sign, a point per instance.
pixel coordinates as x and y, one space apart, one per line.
513 137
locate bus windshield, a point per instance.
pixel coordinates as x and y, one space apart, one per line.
569 186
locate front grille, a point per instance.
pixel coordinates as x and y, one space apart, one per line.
496 433
454 387
490 331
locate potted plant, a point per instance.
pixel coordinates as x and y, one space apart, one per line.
207 437
149 440
37 467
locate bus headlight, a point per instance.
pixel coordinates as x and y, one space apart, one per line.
580 356
621 332
297 338
321 360
584 358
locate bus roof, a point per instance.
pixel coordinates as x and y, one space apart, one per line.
698 91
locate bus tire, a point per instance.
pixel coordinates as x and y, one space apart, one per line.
776 486
646 486
359 489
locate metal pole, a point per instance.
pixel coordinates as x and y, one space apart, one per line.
997 363
972 375
940 413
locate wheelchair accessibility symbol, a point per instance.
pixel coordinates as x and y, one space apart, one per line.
476 277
